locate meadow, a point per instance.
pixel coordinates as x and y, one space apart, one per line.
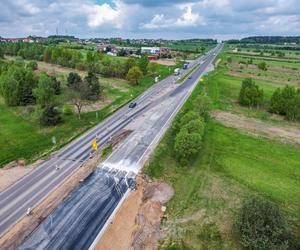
231 166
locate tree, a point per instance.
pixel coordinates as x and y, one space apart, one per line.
47 54
229 59
203 106
143 63
250 94
184 119
74 80
1 53
262 66
187 117
195 126
277 103
262 225
91 88
186 145
134 75
152 67
50 116
16 85
9 90
27 85
281 100
77 99
44 93
130 62
56 85
293 108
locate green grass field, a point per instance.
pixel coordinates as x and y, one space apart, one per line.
230 167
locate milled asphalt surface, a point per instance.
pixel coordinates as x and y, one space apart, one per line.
84 214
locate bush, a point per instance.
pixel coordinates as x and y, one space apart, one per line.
32 65
50 116
134 75
187 145
250 94
203 106
229 59
293 110
286 102
262 66
261 225
195 126
187 117
68 109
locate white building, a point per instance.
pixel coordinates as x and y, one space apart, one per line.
150 50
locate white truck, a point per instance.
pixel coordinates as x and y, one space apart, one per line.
176 71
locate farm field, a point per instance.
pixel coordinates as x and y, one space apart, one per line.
232 164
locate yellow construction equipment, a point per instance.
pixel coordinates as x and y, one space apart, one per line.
94 144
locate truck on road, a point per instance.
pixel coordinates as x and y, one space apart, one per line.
176 71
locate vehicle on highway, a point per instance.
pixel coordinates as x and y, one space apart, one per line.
185 66
190 77
132 105
176 71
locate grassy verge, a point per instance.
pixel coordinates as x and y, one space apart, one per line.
230 167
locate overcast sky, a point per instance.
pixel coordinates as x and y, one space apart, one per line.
175 19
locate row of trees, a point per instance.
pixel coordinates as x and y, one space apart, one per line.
189 129
16 84
19 86
18 81
285 101
76 59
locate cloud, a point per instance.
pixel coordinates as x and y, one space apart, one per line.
187 19
150 18
153 3
105 14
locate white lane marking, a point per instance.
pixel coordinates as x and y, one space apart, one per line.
25 204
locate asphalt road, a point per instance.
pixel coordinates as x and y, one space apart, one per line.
34 187
85 213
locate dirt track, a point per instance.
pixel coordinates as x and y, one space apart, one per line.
286 134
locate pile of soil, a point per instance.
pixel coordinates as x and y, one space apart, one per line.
136 225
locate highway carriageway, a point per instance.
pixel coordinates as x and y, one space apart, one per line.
35 186
81 219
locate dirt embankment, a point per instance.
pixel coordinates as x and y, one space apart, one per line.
166 62
136 225
286 134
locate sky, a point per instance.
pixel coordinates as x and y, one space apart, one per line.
169 19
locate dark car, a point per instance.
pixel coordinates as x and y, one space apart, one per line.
132 105
190 77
